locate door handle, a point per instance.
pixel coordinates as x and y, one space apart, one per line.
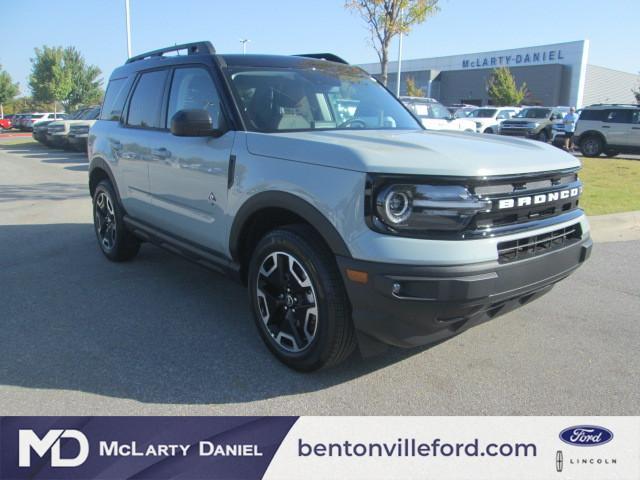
635 128
606 126
161 153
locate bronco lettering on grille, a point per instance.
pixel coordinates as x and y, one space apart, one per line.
539 199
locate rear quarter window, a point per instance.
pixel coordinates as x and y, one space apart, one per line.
115 98
593 115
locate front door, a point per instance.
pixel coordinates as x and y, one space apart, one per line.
188 175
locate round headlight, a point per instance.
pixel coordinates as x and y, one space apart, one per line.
397 206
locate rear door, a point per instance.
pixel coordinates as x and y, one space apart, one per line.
136 143
189 175
617 126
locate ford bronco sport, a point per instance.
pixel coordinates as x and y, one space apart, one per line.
306 179
608 129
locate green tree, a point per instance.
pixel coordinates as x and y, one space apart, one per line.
62 75
386 19
503 90
8 90
49 80
86 87
412 89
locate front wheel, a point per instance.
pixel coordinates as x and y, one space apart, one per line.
299 301
543 136
115 241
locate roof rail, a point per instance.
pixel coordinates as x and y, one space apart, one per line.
194 48
330 57
614 105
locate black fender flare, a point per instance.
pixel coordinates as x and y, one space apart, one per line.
592 133
296 205
100 163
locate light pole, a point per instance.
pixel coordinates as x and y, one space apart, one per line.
399 58
126 8
244 42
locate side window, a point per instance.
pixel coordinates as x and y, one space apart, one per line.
504 114
636 117
114 99
618 116
193 88
146 103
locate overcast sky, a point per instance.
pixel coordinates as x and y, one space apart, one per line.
97 28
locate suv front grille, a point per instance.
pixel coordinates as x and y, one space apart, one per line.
549 188
528 247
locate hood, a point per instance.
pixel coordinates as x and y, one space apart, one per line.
84 123
413 152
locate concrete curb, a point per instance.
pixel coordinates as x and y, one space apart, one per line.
616 227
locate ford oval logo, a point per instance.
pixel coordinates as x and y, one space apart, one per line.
586 435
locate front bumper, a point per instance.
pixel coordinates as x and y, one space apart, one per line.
437 302
57 139
518 132
78 142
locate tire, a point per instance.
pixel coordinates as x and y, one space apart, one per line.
292 268
543 136
115 241
611 153
489 130
591 146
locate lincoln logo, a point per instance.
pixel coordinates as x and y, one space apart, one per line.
540 199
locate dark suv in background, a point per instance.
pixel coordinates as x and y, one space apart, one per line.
533 122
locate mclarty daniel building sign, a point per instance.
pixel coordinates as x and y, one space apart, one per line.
555 74
508 60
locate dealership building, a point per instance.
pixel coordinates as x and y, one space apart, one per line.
555 74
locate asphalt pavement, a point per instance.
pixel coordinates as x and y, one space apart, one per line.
159 335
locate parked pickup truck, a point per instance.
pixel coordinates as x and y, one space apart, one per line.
304 178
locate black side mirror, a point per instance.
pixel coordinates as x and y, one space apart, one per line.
194 123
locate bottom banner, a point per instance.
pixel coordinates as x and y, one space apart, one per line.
491 448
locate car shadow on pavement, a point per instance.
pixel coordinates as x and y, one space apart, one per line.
157 329
47 155
43 191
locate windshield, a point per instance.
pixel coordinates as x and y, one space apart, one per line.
429 110
483 113
90 114
534 113
317 97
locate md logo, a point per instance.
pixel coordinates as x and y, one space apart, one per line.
28 440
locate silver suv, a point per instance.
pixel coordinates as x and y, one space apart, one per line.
608 129
304 178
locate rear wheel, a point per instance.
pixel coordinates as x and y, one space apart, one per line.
591 146
489 130
115 241
298 300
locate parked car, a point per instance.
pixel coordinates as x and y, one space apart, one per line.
39 131
79 131
461 110
58 131
367 230
5 124
609 130
35 118
18 119
488 119
435 116
532 122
